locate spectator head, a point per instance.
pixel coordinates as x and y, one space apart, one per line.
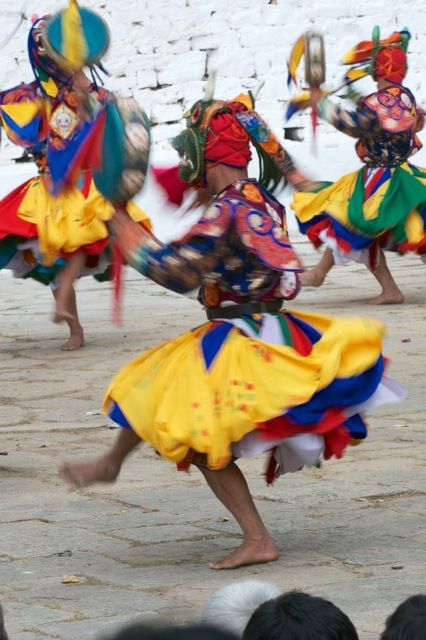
144 632
299 616
231 607
408 621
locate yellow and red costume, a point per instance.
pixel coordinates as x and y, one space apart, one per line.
59 211
255 377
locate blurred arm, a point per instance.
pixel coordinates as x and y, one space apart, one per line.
179 266
352 123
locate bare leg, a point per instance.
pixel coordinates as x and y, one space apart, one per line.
315 277
391 294
76 339
66 283
103 469
230 487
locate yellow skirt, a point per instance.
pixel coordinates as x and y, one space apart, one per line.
203 390
365 205
71 220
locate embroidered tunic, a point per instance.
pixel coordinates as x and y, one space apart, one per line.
238 251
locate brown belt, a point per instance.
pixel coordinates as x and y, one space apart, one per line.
247 308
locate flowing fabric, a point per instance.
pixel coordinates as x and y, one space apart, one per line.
385 205
276 376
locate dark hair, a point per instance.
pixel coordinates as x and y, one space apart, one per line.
299 616
143 632
408 621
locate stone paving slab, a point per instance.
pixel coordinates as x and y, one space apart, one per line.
352 531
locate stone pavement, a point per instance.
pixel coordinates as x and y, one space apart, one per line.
352 531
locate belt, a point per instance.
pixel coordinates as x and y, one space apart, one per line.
247 308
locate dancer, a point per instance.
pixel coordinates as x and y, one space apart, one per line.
255 377
383 205
53 227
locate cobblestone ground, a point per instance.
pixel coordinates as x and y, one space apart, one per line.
352 531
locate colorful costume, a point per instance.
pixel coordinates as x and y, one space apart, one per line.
383 205
254 377
60 211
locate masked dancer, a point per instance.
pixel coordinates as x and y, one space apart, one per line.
255 377
53 228
382 205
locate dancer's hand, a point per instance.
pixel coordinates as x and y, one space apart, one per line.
296 178
129 234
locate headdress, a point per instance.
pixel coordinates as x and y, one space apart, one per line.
385 58
220 132
47 73
64 43
379 58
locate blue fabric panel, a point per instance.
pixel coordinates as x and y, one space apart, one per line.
212 342
341 393
117 416
356 427
28 133
357 242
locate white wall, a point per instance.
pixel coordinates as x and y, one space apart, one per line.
162 49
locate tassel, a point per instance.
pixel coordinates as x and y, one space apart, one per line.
314 120
117 279
74 44
271 468
169 181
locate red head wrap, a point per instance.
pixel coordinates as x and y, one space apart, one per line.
227 142
390 64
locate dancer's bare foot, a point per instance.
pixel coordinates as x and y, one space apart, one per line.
392 297
249 552
74 342
312 278
82 474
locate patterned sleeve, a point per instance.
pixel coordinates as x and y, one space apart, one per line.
259 131
352 123
23 114
178 266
